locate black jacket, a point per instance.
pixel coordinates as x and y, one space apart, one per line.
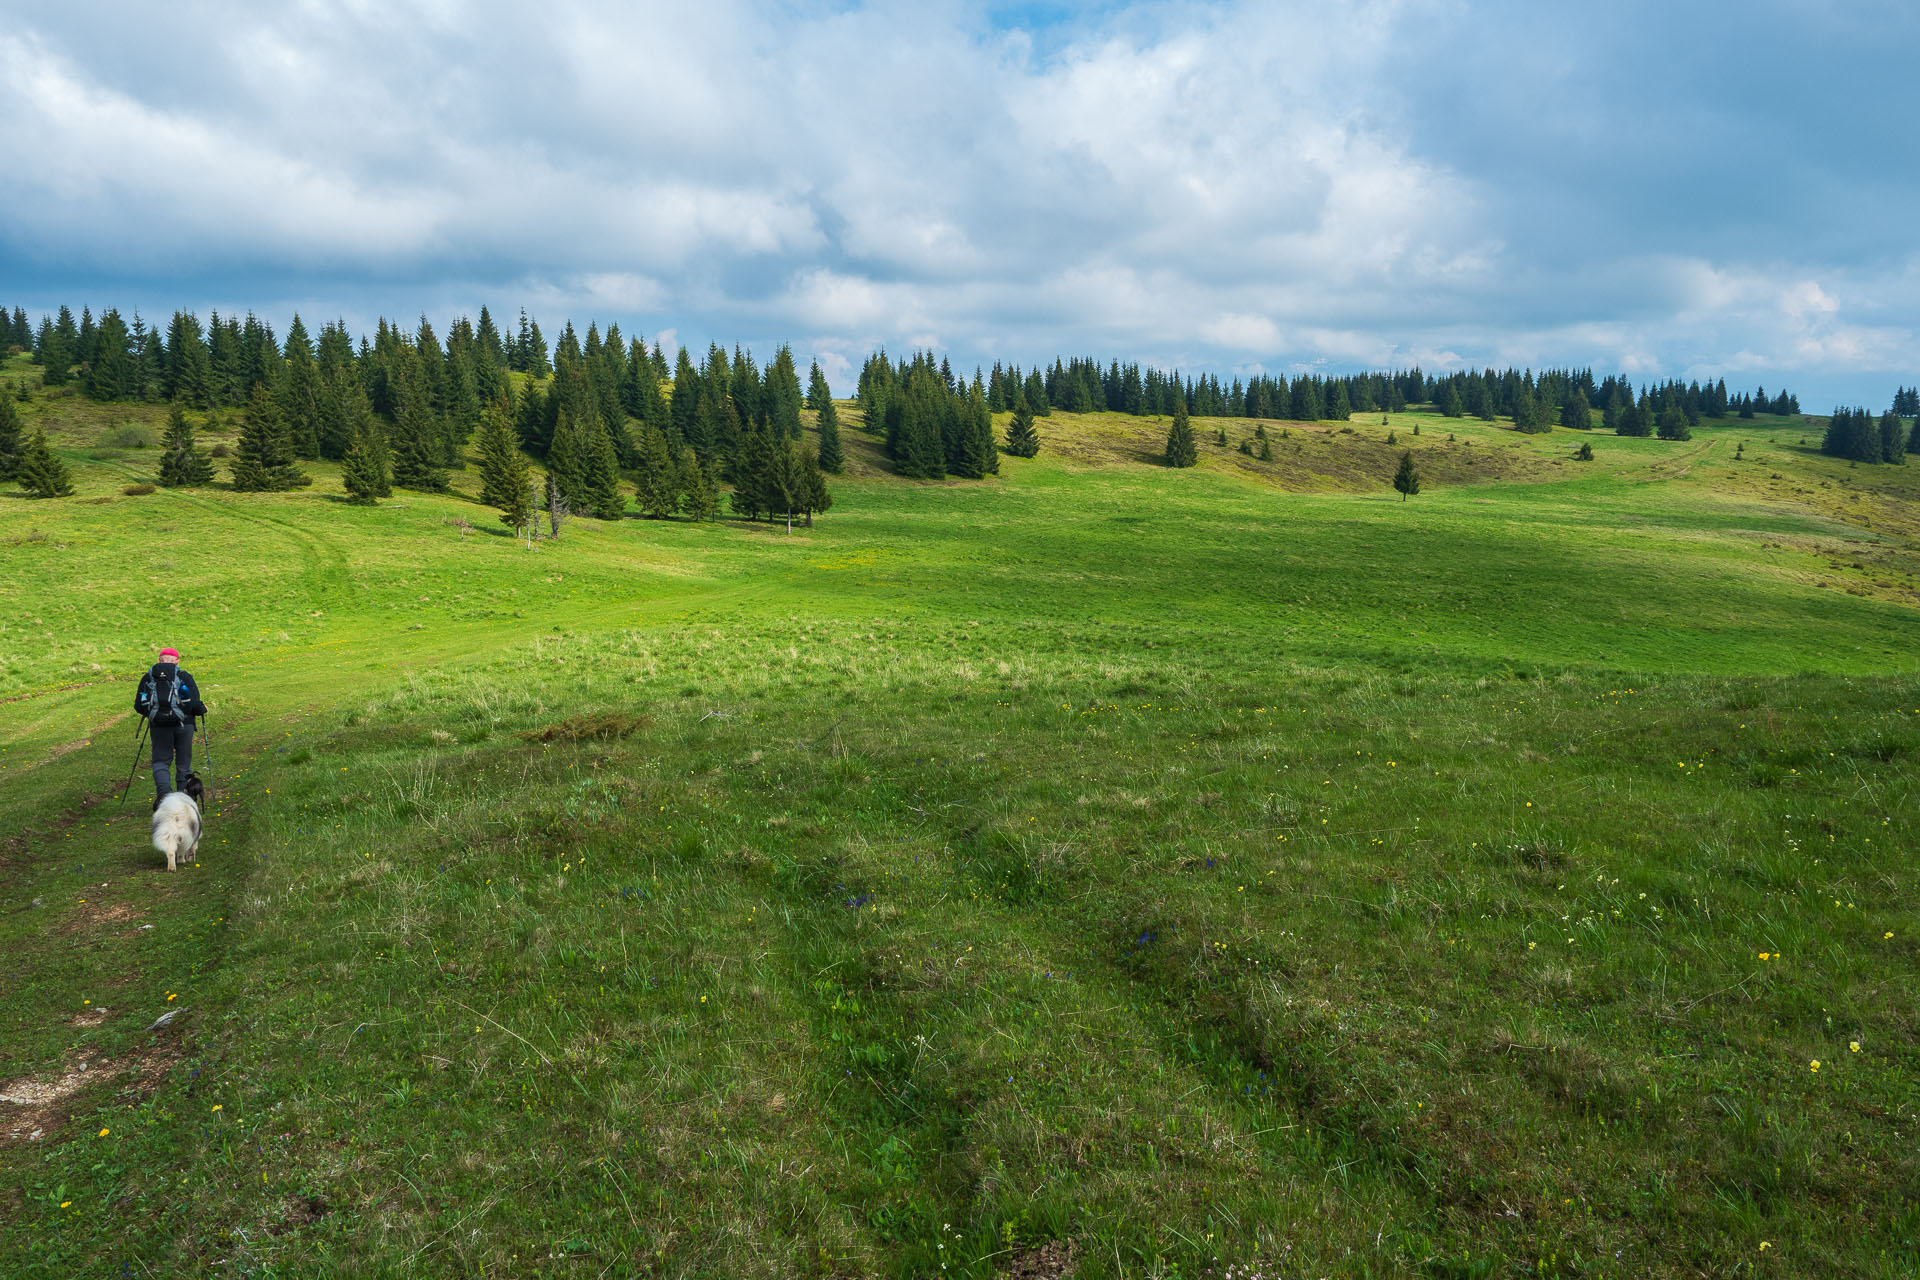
153 700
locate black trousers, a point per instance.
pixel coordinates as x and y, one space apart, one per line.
171 742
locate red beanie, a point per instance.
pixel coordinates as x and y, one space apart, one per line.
170 653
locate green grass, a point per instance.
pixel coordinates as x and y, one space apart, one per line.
1234 866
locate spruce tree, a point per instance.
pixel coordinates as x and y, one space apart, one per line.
831 457
813 483
783 485
1339 405
360 470
40 473
1584 453
982 454
1035 390
1407 478
416 444
1577 412
1893 439
818 395
110 361
782 394
659 487
263 461
331 432
504 474
299 392
1303 402
1180 447
1635 420
506 479
12 448
362 425
1022 440
700 497
567 462
750 472
601 496
182 463
523 510
1673 423
1527 418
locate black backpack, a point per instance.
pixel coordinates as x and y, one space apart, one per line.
165 709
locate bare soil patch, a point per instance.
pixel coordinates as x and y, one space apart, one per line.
1051 1261
33 1108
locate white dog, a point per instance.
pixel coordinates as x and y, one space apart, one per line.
176 828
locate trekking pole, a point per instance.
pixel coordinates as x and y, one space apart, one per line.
207 733
139 740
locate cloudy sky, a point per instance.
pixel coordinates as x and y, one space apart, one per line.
1709 188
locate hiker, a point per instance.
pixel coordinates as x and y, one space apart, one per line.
169 699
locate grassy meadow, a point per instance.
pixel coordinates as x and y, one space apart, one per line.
1100 870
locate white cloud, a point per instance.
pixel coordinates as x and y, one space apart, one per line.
1202 184
1243 332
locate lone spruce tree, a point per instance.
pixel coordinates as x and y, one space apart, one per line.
832 457
182 464
1022 440
263 463
42 474
1407 479
506 481
1180 448
11 445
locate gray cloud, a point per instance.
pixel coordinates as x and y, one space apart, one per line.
1228 186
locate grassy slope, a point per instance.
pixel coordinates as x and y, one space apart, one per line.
1236 864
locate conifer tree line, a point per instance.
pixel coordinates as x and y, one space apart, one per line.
1859 436
603 412
401 408
1553 396
934 424
218 365
1906 402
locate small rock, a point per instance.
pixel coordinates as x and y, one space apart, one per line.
39 902
164 1019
